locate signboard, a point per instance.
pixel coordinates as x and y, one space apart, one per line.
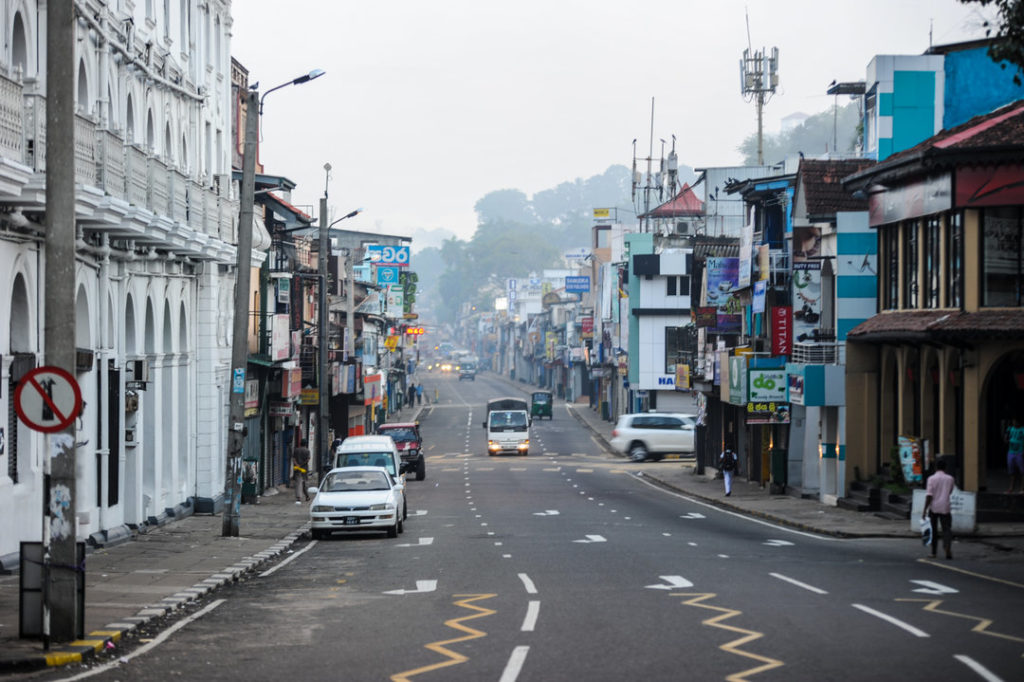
578 284
47 399
911 458
280 338
387 275
587 327
284 290
309 396
737 375
577 253
760 288
796 388
602 213
252 397
682 377
388 255
291 383
782 330
723 280
767 385
767 413
373 392
707 316
281 409
395 301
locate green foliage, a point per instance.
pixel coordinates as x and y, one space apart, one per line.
515 236
1009 47
820 133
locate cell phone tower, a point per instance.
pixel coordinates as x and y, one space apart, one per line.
759 77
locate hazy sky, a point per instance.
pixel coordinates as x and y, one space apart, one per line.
427 106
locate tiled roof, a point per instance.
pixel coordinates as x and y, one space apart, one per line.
941 325
821 183
685 203
1002 127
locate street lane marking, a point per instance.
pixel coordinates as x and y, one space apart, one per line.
931 562
894 621
736 514
528 584
592 538
778 543
928 587
423 542
584 471
672 582
515 664
293 557
151 644
982 671
547 512
693 515
421 587
981 628
532 611
732 647
792 581
454 658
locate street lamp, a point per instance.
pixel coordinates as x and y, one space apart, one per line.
324 317
240 327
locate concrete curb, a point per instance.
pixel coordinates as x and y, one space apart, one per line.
104 641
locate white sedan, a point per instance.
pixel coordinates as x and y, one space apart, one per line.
357 498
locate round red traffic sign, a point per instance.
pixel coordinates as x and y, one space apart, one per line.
48 399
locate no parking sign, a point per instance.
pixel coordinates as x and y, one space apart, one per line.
48 399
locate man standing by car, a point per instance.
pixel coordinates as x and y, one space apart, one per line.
300 464
728 462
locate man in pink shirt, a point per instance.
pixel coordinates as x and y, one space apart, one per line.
936 503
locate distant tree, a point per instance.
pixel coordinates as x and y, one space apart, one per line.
1009 46
504 204
832 130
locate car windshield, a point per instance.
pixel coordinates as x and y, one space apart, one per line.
367 459
345 481
400 434
508 421
541 398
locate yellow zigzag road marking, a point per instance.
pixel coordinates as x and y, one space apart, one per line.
455 624
981 628
733 646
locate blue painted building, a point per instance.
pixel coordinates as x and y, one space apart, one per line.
909 98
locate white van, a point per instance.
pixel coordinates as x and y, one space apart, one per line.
508 431
372 451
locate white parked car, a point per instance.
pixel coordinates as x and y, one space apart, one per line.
357 498
652 435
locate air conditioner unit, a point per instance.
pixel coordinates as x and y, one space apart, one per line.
84 360
684 227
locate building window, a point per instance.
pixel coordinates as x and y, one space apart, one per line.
910 261
671 286
1002 275
676 349
955 261
891 271
932 264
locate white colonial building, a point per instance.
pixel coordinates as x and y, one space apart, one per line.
156 218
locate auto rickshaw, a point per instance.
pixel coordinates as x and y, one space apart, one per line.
540 405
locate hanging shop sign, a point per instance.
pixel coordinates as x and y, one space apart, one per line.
767 413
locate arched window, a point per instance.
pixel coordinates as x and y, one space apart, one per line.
82 104
19 46
129 123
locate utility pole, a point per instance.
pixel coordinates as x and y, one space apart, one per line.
759 76
240 328
324 316
60 528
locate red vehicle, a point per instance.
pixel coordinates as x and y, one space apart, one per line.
410 445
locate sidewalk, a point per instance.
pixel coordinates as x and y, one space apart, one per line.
157 572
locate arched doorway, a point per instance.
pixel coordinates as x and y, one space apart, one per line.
1004 395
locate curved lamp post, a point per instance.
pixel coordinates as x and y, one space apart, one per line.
240 327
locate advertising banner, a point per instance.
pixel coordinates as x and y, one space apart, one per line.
760 287
767 413
280 338
682 377
782 330
587 327
707 316
746 252
767 385
577 284
911 459
723 280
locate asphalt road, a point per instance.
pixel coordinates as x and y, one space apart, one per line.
567 565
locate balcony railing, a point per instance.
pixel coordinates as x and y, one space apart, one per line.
126 171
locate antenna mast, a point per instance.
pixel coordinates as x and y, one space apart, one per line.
759 77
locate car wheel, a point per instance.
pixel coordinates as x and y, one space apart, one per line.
637 452
317 534
421 468
393 530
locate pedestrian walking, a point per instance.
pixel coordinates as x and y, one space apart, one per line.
300 464
728 463
937 507
412 394
1015 456
419 394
